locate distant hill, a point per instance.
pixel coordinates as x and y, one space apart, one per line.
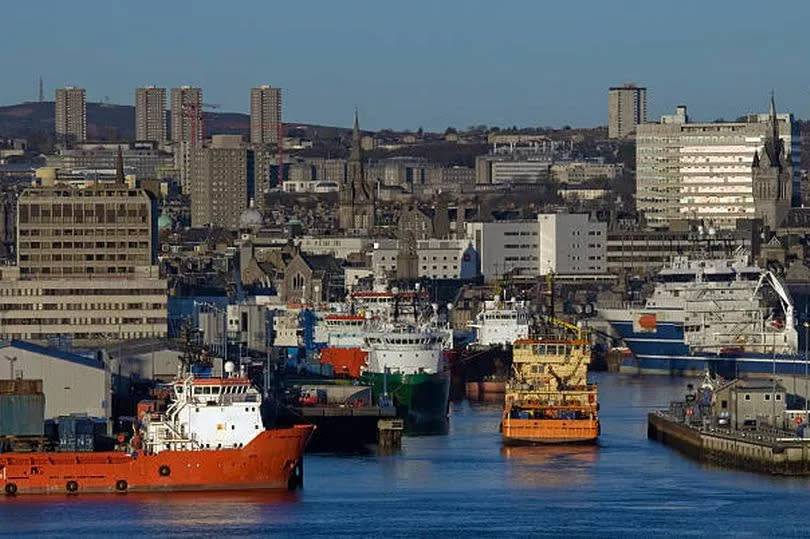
107 121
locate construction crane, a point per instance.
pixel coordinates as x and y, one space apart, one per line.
194 112
551 319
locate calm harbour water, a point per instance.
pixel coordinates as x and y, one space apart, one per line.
466 483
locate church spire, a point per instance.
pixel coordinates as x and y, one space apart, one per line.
119 167
355 153
774 123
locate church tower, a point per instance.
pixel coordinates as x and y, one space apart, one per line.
772 176
355 198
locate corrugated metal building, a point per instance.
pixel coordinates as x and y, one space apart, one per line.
71 383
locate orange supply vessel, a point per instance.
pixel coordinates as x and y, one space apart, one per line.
548 399
209 438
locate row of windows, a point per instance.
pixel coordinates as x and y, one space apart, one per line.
79 306
82 292
71 321
83 270
82 232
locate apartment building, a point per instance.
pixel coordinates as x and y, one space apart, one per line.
186 115
627 108
221 182
150 114
265 114
70 114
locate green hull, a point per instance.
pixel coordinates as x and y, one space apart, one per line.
421 399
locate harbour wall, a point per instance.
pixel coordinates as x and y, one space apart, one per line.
753 451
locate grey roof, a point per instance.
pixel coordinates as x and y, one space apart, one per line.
52 352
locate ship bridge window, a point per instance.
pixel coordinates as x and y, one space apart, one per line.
215 390
206 390
198 391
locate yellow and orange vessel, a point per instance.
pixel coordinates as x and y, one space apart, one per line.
548 398
210 437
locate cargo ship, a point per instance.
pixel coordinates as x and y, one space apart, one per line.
725 315
210 437
548 398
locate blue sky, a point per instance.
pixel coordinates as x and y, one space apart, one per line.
419 63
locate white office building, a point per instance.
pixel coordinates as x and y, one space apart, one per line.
565 244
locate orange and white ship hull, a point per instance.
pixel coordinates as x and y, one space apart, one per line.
549 431
272 460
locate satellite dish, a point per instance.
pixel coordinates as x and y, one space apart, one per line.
230 367
449 306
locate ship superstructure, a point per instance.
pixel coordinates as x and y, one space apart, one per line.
406 360
727 315
205 413
500 323
548 397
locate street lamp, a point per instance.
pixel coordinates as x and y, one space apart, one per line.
806 326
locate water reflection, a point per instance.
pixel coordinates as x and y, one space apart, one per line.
550 465
169 509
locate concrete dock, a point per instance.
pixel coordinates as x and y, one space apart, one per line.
342 427
770 451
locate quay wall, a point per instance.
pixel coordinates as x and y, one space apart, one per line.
749 451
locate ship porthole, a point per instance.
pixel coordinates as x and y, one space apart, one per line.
11 489
72 486
164 471
120 485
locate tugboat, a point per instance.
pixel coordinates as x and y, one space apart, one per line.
548 399
210 437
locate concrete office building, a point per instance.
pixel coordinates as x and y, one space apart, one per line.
687 170
627 108
186 115
571 244
565 244
85 266
577 172
644 251
505 246
515 168
221 182
437 259
265 114
147 162
150 114
70 114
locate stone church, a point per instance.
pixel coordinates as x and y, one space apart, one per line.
772 177
355 197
